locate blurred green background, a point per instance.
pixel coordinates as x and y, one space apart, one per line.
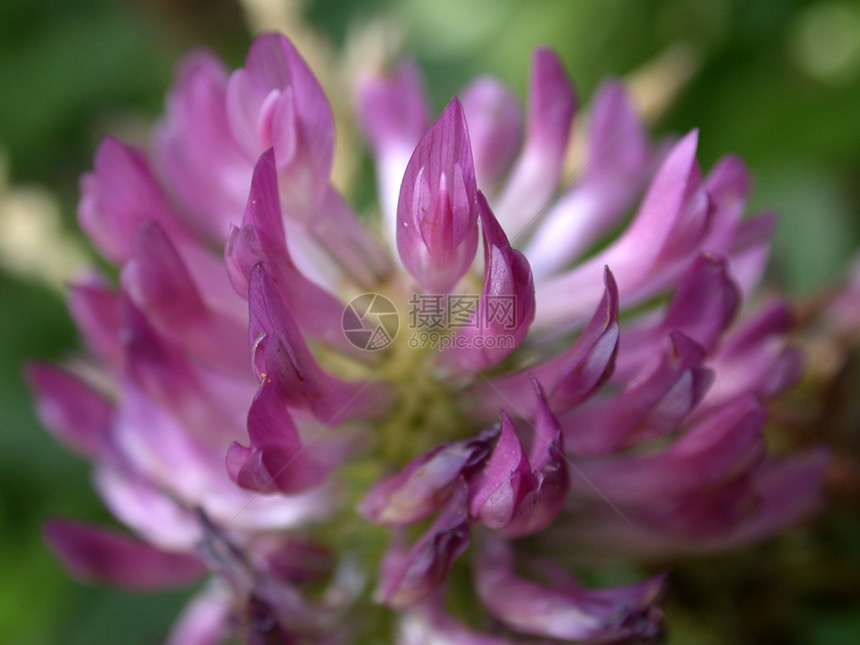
776 81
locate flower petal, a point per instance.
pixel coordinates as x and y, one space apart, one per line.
574 375
393 111
652 404
280 353
144 507
495 128
205 621
96 311
499 490
303 133
262 240
100 554
437 213
275 101
717 449
426 483
158 282
74 411
728 185
408 577
756 358
568 613
507 304
550 474
535 176
194 147
117 196
750 250
199 398
665 234
703 307
277 460
619 161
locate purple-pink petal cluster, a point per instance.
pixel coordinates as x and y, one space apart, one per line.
612 400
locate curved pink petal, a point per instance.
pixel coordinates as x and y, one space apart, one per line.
721 447
119 194
302 131
409 577
703 307
200 398
618 163
277 459
394 113
666 232
551 476
95 309
500 488
495 128
195 150
652 404
158 282
276 102
280 353
262 240
536 173
79 415
756 358
95 553
507 304
569 612
574 375
426 483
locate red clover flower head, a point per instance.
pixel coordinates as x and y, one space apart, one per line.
322 416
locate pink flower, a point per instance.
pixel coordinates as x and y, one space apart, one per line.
228 407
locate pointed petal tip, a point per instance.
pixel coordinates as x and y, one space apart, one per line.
609 282
108 146
684 151
552 96
731 171
492 229
455 107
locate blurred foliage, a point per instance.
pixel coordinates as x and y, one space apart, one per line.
776 81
